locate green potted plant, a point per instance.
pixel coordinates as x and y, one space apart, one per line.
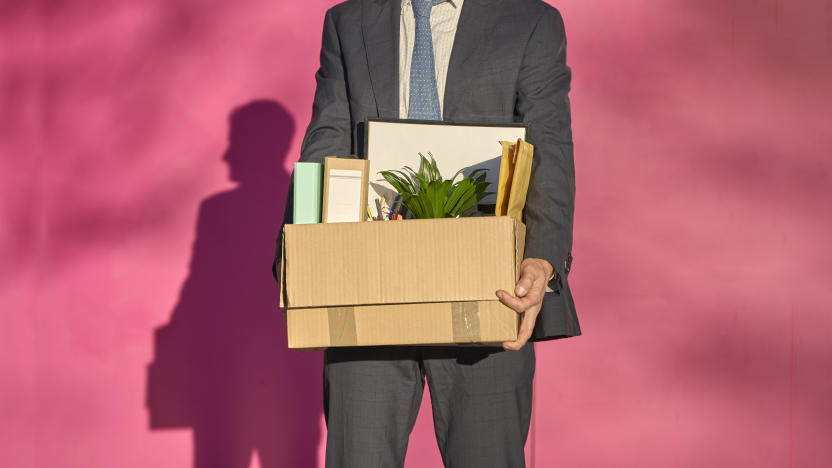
426 194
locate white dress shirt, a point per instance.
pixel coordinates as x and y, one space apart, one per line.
443 22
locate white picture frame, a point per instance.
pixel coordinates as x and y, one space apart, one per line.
392 144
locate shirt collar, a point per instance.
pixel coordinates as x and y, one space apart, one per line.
454 3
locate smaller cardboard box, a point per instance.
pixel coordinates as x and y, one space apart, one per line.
407 282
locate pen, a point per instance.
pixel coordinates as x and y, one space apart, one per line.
385 208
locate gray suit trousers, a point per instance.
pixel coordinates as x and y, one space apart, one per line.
481 398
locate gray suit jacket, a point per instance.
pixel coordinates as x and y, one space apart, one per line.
508 64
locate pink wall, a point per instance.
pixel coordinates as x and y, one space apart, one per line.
701 240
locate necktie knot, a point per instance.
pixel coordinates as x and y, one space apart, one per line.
421 8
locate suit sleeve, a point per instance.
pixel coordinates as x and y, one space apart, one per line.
329 131
543 104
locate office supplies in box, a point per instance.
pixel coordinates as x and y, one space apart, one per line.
411 282
392 144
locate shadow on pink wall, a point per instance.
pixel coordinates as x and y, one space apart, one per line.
221 364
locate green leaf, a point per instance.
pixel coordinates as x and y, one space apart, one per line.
427 195
465 196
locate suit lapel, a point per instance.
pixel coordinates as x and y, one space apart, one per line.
471 35
381 43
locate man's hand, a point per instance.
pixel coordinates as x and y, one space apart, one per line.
534 275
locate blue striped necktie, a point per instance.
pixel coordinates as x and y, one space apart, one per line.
424 97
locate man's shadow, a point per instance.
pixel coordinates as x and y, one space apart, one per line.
221 365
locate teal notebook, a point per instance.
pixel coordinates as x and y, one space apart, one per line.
306 195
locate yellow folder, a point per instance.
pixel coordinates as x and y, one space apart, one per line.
515 172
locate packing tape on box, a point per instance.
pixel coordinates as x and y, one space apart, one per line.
342 326
465 317
465 321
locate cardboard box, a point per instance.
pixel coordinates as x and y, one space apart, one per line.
406 282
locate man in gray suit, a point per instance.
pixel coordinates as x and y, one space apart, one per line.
477 61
